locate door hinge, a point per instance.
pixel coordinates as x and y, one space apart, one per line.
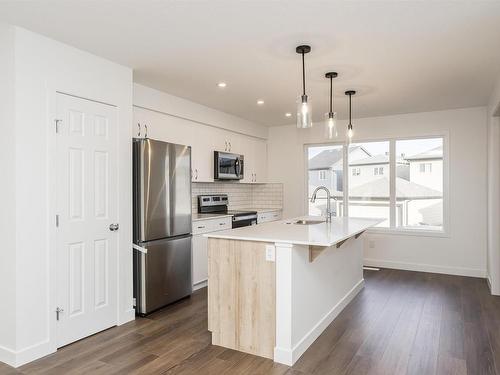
57 121
57 221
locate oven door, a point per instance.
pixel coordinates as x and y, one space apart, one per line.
244 221
228 166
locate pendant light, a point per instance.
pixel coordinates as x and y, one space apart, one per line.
331 118
350 132
304 116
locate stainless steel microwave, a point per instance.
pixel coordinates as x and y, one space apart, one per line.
228 166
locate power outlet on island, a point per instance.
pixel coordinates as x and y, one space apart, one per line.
270 253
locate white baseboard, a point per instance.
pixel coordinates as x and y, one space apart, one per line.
459 271
126 316
289 357
7 356
493 290
200 285
21 357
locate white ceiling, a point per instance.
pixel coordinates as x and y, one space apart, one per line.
401 56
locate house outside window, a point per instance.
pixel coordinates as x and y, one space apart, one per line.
413 199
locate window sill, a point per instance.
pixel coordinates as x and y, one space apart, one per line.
410 232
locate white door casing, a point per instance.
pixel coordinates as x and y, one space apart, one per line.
86 205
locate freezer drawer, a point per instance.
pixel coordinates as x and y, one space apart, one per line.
163 274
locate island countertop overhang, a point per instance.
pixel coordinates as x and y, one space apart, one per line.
285 231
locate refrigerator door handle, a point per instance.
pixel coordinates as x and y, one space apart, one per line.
140 248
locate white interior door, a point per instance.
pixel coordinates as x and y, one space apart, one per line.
87 194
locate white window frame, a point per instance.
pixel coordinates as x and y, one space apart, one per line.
322 175
393 229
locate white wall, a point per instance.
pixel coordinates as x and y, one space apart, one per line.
149 98
7 193
494 190
43 66
464 250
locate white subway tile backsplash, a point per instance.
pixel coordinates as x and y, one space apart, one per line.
241 195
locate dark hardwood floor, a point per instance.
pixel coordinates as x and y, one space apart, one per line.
401 323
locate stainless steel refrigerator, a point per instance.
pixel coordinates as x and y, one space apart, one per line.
162 223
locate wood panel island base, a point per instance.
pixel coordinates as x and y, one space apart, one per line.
273 288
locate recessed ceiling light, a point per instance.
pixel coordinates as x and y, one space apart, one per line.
260 102
222 84
288 114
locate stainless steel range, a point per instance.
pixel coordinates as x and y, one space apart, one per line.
218 204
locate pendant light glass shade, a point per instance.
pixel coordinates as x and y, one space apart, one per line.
331 131
304 113
304 110
331 117
350 131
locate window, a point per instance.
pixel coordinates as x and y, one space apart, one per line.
320 161
419 192
369 194
425 167
416 173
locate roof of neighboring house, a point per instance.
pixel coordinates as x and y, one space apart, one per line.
377 159
379 189
327 158
433 153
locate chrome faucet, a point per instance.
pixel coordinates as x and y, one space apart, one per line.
328 197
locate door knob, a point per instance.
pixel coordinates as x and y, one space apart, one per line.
114 227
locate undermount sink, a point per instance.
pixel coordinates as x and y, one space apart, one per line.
308 222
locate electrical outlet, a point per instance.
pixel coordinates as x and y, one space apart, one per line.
270 253
371 244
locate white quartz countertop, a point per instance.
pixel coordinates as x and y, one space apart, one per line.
198 217
284 231
262 209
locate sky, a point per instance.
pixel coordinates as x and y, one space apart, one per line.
407 147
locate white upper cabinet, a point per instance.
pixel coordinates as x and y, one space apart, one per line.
204 140
202 154
260 160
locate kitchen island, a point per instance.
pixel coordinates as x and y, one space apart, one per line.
273 288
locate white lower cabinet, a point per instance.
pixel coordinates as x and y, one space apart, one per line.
200 259
200 247
264 217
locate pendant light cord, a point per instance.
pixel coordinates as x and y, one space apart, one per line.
331 94
350 95
303 75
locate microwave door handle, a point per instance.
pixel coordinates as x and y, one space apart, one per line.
237 167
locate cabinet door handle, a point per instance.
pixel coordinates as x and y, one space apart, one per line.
225 145
201 227
196 174
222 223
229 146
139 129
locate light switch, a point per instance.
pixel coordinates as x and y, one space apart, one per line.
270 253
